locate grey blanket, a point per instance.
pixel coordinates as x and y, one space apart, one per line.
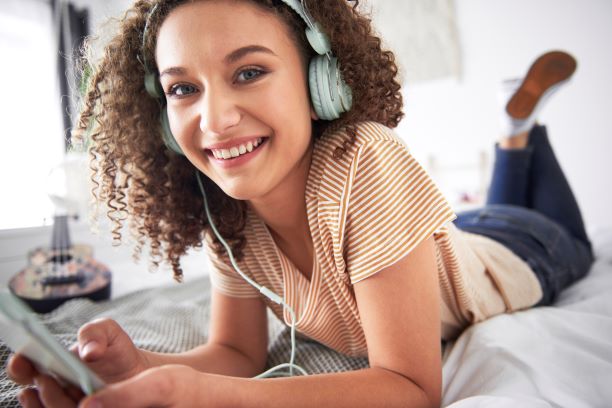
172 319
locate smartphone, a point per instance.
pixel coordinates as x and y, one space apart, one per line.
24 333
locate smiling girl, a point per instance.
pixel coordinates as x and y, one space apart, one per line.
319 201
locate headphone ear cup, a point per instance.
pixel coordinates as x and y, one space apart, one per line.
315 95
319 88
166 133
154 89
329 93
152 86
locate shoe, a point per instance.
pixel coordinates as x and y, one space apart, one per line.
508 125
545 76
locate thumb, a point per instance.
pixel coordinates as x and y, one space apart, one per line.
95 337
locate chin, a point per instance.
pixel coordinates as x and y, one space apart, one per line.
237 193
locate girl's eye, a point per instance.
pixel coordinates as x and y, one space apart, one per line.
181 90
249 74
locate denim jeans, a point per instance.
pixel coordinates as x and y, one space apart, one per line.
532 211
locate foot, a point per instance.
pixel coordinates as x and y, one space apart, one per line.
514 142
524 98
545 75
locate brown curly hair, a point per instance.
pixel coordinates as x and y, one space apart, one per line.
155 190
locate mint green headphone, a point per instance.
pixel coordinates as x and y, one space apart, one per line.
330 95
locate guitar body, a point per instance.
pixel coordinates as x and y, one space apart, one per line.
61 273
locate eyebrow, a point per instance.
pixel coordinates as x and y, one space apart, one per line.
229 58
243 51
172 71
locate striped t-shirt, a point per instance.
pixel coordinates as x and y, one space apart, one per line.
366 211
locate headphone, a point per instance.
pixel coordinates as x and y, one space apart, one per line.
329 94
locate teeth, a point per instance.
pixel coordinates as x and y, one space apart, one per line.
237 150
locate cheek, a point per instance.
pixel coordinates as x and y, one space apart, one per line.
183 121
289 97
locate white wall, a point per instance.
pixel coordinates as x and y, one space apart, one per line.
450 118
500 39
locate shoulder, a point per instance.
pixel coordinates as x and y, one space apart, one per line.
366 148
364 134
356 143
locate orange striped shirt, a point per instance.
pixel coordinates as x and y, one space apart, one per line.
367 211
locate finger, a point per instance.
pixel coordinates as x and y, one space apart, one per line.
95 337
155 387
51 394
75 393
28 398
74 349
21 370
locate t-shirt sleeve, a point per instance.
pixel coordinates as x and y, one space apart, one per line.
224 277
394 206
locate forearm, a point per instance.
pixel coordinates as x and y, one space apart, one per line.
208 358
372 387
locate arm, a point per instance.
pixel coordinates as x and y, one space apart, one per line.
400 314
399 309
238 342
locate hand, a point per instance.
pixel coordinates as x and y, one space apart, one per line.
47 393
165 386
109 351
102 345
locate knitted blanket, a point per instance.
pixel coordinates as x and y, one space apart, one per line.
172 319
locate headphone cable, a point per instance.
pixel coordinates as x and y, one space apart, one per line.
262 289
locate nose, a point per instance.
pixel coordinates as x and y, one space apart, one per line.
219 112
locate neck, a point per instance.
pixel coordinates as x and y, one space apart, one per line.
283 209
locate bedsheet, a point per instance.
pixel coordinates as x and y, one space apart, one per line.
558 356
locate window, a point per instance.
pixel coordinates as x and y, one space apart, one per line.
31 129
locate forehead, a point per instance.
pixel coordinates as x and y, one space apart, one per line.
212 28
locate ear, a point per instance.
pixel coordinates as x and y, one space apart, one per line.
313 114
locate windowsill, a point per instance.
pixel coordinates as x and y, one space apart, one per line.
127 274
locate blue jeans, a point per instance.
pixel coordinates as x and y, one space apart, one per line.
532 211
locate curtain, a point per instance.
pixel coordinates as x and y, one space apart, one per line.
72 28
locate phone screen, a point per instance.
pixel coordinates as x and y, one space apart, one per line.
23 332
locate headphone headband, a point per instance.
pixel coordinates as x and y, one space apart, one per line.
318 40
152 85
330 95
145 31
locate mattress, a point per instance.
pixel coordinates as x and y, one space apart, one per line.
557 356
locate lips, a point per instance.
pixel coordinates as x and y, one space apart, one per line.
236 150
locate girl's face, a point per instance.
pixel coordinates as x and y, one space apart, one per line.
237 95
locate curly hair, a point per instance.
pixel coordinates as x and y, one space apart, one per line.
154 190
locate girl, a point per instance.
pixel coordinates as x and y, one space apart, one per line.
318 199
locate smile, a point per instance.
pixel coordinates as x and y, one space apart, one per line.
238 150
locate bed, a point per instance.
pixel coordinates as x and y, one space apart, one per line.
559 356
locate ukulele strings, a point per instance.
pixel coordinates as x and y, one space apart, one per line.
61 248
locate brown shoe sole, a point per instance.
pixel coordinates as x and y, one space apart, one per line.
548 70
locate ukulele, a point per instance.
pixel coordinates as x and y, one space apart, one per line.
60 273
